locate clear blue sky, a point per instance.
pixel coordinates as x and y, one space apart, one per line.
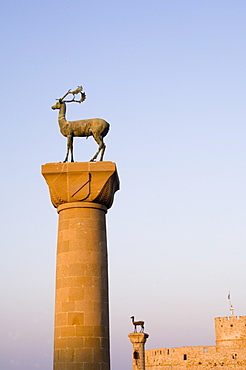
170 78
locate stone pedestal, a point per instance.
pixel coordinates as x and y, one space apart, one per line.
82 193
138 353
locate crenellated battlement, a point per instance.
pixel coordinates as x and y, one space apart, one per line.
231 318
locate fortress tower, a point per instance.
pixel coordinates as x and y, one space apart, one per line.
230 332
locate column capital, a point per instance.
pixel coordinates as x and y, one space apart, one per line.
81 182
138 337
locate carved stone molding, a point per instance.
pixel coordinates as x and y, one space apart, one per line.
81 181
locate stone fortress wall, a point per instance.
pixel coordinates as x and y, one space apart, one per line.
229 352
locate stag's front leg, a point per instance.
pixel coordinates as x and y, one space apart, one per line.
69 148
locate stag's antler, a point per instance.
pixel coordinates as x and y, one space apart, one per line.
74 92
78 90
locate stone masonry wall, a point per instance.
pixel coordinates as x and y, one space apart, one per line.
202 358
228 354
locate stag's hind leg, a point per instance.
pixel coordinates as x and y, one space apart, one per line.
102 147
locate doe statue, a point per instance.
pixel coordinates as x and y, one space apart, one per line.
137 323
96 127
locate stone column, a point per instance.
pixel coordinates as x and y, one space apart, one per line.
82 193
138 353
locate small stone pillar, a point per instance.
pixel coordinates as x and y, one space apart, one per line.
138 353
82 194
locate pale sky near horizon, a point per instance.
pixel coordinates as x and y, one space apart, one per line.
170 78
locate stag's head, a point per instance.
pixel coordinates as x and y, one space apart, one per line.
74 92
57 105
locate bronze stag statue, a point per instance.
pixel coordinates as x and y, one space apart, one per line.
96 127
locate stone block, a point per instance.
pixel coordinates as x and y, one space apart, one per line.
84 331
101 331
62 295
76 318
60 343
85 281
84 355
92 343
68 306
76 294
61 318
62 270
77 269
68 331
67 356
75 343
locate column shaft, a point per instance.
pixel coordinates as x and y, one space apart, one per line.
138 354
81 311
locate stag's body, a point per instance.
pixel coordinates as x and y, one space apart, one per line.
96 127
137 323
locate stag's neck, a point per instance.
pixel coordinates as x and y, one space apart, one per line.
63 123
